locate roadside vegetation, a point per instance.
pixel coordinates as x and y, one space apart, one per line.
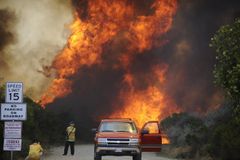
41 124
216 135
225 142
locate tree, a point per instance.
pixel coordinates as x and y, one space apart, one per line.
225 142
227 69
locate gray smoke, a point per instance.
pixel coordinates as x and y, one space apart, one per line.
39 30
191 60
7 20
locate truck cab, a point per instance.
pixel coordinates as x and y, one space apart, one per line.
121 137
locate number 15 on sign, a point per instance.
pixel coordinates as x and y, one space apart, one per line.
14 92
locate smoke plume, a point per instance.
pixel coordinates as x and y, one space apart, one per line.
32 33
7 36
191 60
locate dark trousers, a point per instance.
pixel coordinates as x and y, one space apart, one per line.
67 144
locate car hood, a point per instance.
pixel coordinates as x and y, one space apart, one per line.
116 135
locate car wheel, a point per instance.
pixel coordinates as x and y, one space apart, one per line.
137 157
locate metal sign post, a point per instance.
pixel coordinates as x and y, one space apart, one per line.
13 111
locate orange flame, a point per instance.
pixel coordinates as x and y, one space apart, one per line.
106 20
165 139
146 105
142 105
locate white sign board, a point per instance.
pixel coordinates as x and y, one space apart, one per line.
14 92
13 111
12 144
13 130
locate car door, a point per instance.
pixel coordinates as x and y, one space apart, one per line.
151 139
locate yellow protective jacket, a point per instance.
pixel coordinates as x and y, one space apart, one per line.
71 133
35 151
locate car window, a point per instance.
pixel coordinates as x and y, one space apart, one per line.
117 127
152 128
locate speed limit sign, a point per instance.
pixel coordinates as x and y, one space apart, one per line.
14 92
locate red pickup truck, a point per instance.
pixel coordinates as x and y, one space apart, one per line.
121 137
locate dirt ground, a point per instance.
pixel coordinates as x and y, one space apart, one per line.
85 152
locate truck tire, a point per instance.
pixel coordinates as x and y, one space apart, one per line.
97 157
137 157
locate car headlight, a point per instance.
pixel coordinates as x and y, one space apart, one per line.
134 141
102 140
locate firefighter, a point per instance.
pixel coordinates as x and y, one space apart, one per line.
35 151
70 138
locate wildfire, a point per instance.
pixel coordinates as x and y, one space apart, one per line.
148 104
106 20
165 139
142 106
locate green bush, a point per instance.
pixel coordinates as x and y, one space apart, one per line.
224 143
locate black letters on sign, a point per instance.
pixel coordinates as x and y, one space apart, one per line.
14 96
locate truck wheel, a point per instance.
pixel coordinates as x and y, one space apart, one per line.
137 157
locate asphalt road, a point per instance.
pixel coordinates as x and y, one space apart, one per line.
85 152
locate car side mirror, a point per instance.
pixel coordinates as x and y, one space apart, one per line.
94 130
145 131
